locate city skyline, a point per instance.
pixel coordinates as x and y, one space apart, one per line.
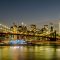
29 11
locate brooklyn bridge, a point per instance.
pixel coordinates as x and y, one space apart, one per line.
7 34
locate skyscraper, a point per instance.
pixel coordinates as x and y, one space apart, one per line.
59 27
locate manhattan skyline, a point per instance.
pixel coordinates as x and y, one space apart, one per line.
29 11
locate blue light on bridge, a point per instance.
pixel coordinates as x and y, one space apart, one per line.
17 42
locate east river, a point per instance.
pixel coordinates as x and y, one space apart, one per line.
29 52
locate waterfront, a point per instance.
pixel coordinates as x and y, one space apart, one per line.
29 52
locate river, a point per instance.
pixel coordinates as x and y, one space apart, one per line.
29 52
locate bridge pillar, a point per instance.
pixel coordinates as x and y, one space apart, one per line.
15 37
53 38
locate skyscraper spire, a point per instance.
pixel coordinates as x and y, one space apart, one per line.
22 23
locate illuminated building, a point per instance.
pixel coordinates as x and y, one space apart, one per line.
46 27
20 28
59 27
4 28
14 30
33 27
11 28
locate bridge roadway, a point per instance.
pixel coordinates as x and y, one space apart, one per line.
34 35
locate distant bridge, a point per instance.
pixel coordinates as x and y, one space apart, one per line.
4 30
33 35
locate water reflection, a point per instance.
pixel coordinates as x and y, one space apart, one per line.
29 53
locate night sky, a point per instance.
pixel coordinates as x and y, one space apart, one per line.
29 11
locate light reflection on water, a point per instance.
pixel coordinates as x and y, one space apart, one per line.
29 53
